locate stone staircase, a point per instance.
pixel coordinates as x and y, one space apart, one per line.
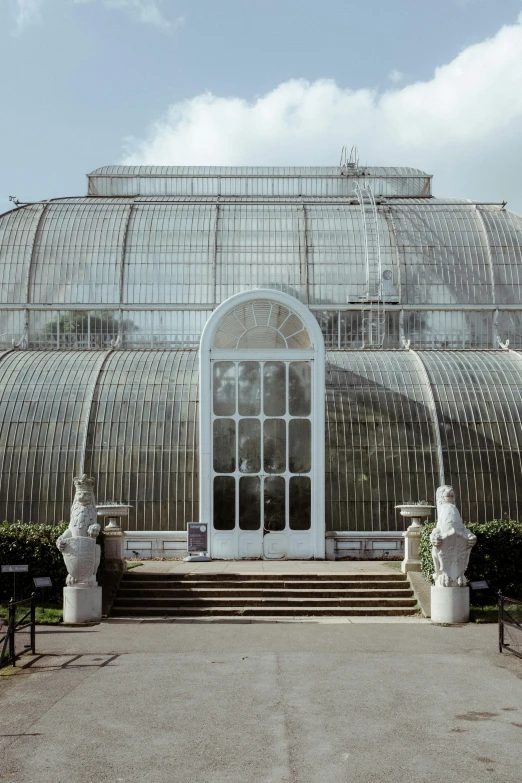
262 594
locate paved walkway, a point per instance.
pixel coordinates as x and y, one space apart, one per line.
267 567
263 703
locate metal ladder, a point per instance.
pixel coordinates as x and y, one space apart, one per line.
374 316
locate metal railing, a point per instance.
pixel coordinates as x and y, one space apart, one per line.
9 652
509 625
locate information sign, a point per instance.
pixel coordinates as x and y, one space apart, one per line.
480 584
15 569
42 581
197 537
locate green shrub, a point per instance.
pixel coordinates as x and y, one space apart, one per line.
496 557
34 545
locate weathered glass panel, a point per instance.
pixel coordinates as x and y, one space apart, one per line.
274 389
224 389
274 503
249 503
224 445
300 503
249 389
299 388
274 445
249 445
224 502
299 445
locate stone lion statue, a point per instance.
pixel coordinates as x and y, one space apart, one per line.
78 544
451 542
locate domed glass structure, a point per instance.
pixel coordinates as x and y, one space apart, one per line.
104 300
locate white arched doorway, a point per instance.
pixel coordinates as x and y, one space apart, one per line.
262 429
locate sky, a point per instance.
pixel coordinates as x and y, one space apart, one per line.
433 85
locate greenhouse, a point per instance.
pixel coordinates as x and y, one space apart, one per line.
284 353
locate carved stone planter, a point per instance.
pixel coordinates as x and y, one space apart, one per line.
112 512
417 514
113 535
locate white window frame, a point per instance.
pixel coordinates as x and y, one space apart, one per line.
315 353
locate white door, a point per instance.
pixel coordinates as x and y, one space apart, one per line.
261 450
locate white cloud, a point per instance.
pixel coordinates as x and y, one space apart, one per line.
149 12
395 76
27 12
464 124
145 11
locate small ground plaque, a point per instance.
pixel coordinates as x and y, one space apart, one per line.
480 584
42 581
15 569
197 538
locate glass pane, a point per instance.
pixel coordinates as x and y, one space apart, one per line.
249 445
299 388
274 392
249 388
224 388
274 445
224 502
224 445
274 503
299 445
300 503
250 503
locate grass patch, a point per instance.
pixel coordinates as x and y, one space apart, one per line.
48 614
484 614
133 565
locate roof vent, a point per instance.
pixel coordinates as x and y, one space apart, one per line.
349 165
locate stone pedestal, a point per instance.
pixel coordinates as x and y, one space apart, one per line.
114 549
411 537
449 604
82 604
330 546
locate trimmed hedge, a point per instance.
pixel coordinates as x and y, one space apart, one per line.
496 557
34 545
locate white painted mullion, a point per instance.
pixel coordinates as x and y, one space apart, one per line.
262 419
236 471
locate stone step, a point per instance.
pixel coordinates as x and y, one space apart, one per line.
235 592
256 575
202 594
261 585
256 611
278 602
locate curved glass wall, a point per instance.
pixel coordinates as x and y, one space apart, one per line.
477 395
78 253
380 440
44 406
168 254
17 239
131 418
142 442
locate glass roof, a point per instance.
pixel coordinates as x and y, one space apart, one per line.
96 251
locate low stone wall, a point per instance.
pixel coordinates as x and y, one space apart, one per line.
339 545
374 545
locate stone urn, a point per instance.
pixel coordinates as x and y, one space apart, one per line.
417 513
113 535
112 513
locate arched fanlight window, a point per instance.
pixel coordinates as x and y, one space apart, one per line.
262 324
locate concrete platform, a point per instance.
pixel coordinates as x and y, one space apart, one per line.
266 567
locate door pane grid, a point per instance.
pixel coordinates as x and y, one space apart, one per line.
254 402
